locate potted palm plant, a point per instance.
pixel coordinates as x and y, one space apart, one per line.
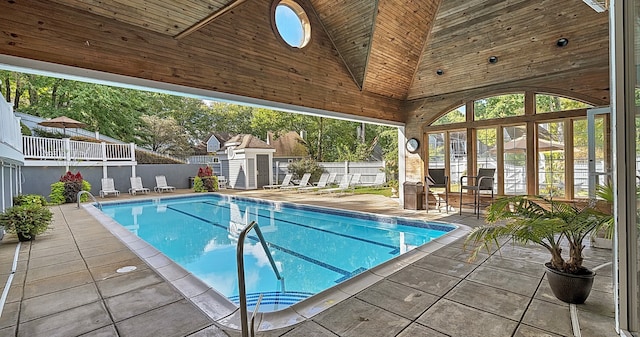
551 224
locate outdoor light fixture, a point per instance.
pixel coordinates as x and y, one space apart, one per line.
493 59
439 72
562 42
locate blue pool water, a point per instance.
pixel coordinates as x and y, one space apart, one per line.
314 248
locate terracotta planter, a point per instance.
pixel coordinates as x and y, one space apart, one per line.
570 288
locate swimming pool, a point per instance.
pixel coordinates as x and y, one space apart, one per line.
314 248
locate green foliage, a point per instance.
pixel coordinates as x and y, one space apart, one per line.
86 186
164 135
57 193
28 220
499 107
24 130
535 219
29 199
198 185
205 181
306 165
549 103
457 115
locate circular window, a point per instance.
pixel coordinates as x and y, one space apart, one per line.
291 23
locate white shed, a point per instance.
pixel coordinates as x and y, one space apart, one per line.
246 162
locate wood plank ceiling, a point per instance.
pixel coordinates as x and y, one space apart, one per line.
368 58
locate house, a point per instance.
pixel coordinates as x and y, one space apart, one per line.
246 161
11 157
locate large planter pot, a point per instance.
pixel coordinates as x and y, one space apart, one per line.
570 288
23 238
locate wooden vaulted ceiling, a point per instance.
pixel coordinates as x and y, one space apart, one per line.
366 58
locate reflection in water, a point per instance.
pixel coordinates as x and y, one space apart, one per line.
312 250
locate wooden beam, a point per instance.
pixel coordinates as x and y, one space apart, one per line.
208 19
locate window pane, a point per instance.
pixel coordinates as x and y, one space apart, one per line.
436 150
581 155
499 107
515 160
551 163
457 158
457 115
548 103
486 147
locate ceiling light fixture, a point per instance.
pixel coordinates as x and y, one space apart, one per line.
562 42
493 59
439 72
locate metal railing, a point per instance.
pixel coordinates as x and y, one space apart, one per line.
241 281
90 195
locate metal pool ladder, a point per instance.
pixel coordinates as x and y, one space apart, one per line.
241 282
90 195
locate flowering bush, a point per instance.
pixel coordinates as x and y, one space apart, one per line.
205 181
66 190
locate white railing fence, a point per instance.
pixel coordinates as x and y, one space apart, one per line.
40 148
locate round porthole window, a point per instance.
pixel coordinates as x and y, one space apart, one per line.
291 23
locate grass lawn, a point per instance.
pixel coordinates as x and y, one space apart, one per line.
386 191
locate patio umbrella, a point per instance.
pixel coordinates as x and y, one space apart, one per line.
519 145
63 122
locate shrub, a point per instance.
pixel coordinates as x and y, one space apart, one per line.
207 179
57 193
307 165
29 199
198 185
26 220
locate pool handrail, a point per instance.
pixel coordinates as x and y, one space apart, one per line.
89 194
241 281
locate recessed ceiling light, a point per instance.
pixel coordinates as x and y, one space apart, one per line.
439 72
493 59
562 42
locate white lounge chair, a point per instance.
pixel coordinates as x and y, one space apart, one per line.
285 182
344 185
304 182
332 179
108 188
136 186
322 183
378 182
161 185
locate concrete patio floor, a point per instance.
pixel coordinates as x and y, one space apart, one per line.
66 284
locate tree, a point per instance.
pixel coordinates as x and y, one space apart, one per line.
164 135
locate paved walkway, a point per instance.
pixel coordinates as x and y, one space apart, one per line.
66 284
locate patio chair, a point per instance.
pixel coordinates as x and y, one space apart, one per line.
136 186
476 184
345 184
332 179
285 182
108 188
322 183
437 178
222 182
378 182
304 182
161 185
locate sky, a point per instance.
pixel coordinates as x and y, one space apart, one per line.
289 25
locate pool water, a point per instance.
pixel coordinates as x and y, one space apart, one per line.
314 248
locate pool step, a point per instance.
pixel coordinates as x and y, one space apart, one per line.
273 298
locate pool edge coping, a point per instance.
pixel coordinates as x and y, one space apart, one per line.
227 314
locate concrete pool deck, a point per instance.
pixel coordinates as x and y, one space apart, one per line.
66 284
